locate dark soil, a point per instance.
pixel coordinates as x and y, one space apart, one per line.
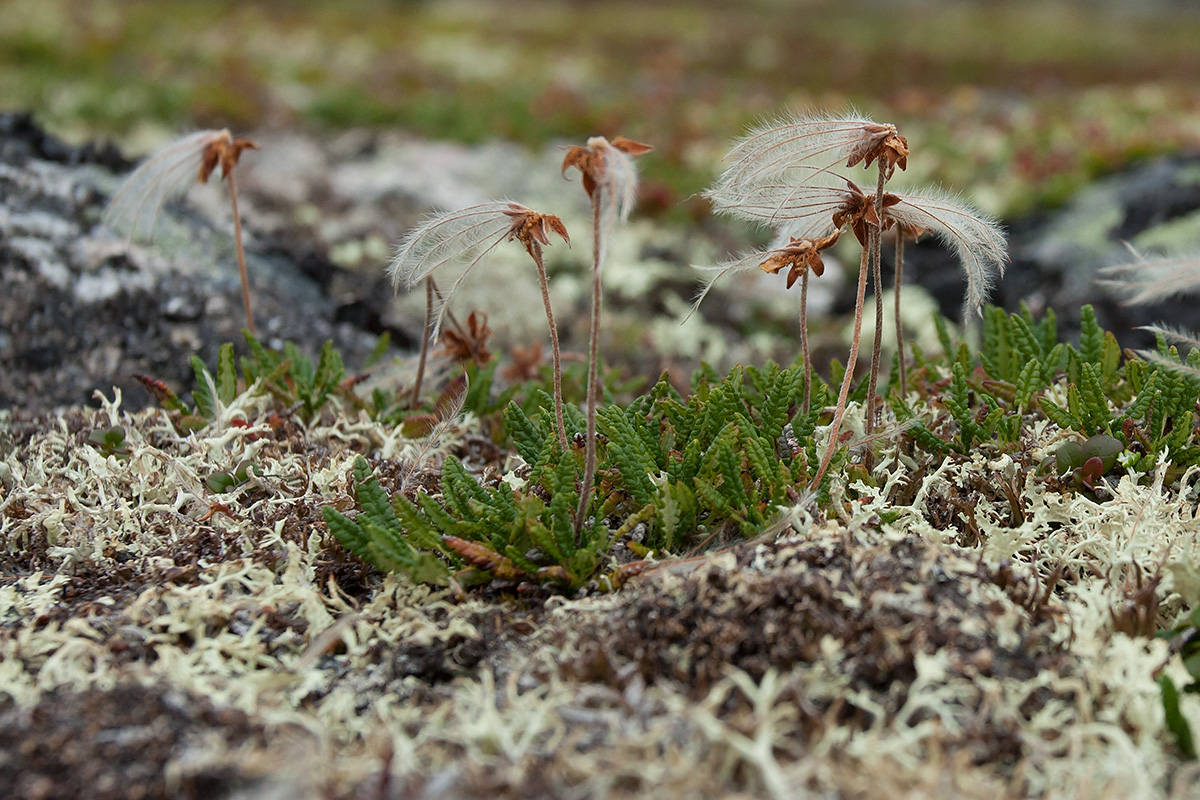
116 744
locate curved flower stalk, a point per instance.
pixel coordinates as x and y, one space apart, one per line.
610 180
167 174
800 256
467 235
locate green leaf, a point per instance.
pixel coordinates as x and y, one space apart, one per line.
346 531
226 381
1091 336
379 350
1176 723
204 396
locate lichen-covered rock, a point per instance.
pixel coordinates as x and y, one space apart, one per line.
81 309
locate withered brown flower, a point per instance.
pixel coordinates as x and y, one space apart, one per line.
471 345
882 142
533 229
799 255
525 363
607 166
225 151
858 211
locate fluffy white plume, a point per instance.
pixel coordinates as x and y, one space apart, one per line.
618 181
792 149
977 239
164 175
1152 281
462 236
449 236
743 262
794 209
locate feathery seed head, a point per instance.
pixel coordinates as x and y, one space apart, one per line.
797 255
607 167
976 238
167 174
466 236
1151 281
803 150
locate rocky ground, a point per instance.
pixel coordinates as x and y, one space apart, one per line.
160 639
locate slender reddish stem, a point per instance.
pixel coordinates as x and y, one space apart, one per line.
899 326
558 401
589 459
877 345
416 392
804 340
840 411
241 254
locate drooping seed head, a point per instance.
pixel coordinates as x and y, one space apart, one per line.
608 170
466 236
167 174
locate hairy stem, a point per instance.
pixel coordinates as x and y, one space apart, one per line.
899 326
876 243
589 460
804 340
241 254
840 411
416 392
558 401
454 323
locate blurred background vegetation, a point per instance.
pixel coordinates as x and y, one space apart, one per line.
1020 101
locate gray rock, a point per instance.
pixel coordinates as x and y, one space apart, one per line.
81 310
1056 253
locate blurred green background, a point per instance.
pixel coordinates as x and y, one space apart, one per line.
1019 101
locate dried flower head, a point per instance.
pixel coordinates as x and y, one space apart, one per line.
168 173
607 167
533 229
471 344
467 235
797 256
882 142
858 210
976 238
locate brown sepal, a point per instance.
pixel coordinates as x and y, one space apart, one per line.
630 147
225 151
587 161
885 144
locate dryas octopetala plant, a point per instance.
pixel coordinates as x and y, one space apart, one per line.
168 173
785 174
